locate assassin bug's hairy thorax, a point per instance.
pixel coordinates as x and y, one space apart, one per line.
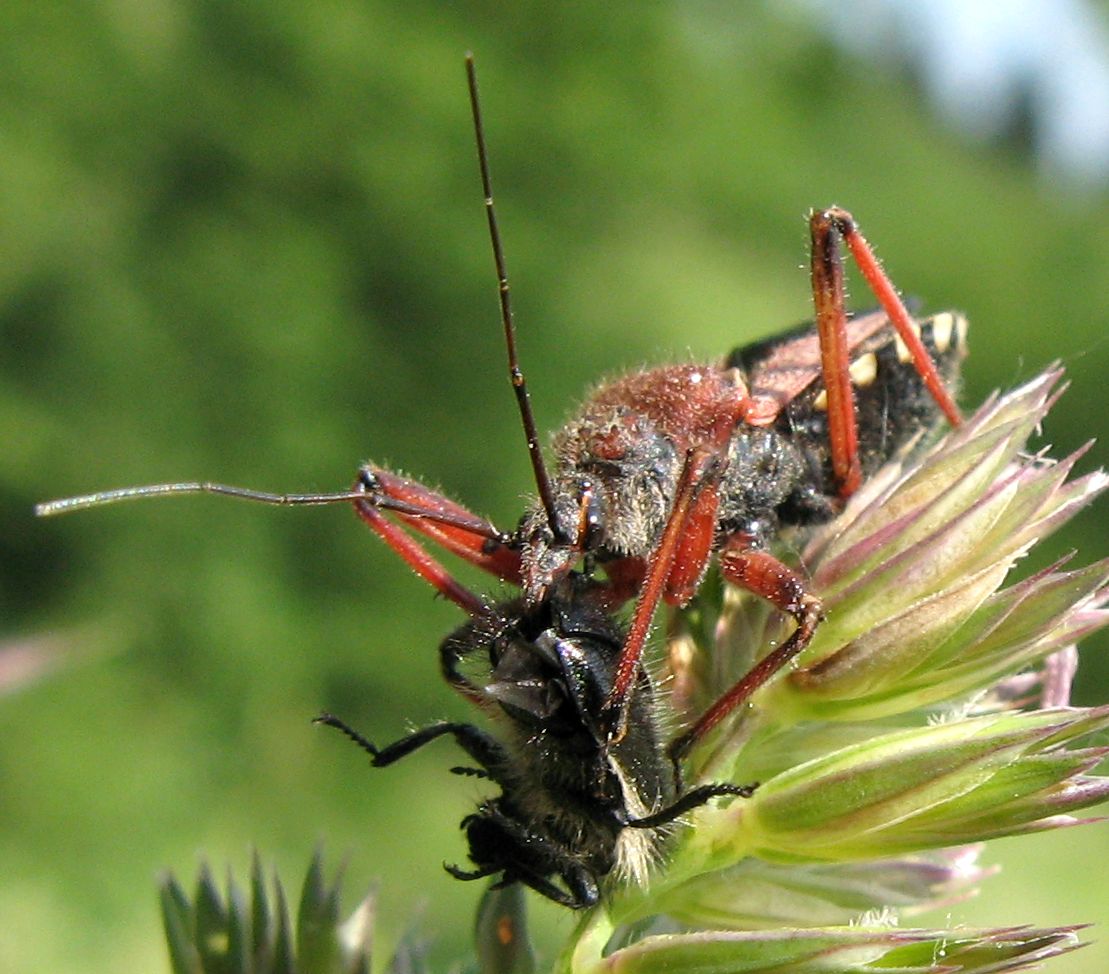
660 472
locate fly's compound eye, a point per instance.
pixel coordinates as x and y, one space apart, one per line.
527 681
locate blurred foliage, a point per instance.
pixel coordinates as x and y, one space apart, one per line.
245 242
229 932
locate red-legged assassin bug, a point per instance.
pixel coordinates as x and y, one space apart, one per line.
659 471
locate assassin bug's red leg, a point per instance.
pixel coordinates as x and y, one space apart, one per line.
701 470
444 521
679 559
435 574
827 227
892 304
761 573
831 326
418 558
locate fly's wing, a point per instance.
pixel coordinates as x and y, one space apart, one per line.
784 366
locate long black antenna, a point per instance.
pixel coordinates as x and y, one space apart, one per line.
515 374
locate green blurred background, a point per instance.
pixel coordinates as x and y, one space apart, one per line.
245 242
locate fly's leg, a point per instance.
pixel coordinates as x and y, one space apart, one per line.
694 798
482 747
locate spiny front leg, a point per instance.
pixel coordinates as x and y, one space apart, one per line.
442 520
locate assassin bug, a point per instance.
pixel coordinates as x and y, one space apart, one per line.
660 471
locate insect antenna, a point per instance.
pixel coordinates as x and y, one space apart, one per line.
197 487
515 374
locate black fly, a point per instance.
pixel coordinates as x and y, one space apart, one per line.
572 806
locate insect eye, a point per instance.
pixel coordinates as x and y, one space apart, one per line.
528 680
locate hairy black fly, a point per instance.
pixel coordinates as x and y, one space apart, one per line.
573 807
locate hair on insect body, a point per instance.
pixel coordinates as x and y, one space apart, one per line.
658 473
573 807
